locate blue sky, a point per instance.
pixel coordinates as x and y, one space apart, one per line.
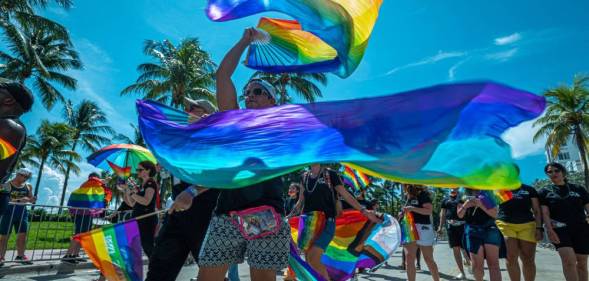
527 44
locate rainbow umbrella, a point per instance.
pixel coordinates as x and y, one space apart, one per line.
121 155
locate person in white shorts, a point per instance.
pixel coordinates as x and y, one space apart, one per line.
420 205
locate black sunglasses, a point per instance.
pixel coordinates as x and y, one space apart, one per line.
139 170
255 92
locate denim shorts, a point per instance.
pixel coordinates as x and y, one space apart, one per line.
476 236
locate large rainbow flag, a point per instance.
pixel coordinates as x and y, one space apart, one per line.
6 149
357 243
91 197
115 250
327 36
446 136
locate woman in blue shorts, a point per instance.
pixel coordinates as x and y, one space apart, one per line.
482 237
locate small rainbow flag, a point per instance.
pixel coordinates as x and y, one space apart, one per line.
90 195
310 227
409 232
6 149
121 172
491 199
355 178
115 250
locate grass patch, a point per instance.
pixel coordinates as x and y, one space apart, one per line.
46 235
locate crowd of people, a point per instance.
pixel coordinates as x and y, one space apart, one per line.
212 224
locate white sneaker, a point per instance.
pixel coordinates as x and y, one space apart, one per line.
460 277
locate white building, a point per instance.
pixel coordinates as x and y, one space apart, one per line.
569 156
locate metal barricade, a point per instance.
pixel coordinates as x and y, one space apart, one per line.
46 231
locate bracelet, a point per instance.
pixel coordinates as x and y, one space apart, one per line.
192 191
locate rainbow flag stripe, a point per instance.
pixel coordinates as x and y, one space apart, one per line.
121 172
302 270
115 250
310 227
91 195
350 178
6 149
491 199
409 232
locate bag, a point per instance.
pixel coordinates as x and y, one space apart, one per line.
256 222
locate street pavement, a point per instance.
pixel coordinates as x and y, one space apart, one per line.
548 269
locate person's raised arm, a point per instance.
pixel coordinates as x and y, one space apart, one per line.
226 93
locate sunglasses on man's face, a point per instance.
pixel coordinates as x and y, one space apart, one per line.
555 171
139 170
24 176
256 92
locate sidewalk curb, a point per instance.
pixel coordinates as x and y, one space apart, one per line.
60 267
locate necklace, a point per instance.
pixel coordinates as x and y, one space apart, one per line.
316 181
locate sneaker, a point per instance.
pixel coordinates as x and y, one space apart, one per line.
1 262
23 260
460 277
78 258
71 259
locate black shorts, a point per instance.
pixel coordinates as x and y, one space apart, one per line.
574 237
455 234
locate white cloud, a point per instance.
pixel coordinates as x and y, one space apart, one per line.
428 60
506 40
502 56
452 70
520 139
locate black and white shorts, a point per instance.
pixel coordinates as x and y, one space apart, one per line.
224 245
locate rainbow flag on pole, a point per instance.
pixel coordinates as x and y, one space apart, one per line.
121 172
491 199
115 250
355 178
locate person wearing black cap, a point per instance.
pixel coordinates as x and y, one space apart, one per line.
15 100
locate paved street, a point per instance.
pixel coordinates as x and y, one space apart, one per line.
548 265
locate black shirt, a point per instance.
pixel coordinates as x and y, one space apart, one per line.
264 193
476 216
566 203
319 195
422 199
139 209
451 206
519 208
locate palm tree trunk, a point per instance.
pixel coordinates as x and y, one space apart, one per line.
580 140
67 176
39 176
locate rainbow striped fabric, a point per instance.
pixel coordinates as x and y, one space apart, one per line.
6 149
409 232
121 172
492 199
355 178
115 250
445 136
310 227
357 243
91 196
302 270
327 36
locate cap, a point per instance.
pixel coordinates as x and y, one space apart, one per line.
206 105
24 172
19 92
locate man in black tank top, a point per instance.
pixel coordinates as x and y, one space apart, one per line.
15 100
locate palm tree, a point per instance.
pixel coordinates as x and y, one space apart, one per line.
566 116
48 147
21 12
137 137
87 121
303 84
42 55
183 71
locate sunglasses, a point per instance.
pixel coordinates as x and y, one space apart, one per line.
24 175
139 170
555 171
256 92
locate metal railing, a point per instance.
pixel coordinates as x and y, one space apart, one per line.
47 230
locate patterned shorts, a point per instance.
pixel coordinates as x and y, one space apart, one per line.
224 245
